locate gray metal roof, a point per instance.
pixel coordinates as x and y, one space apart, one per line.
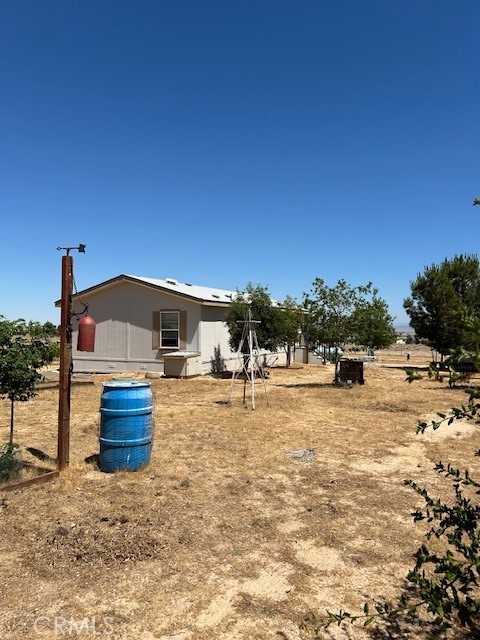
204 294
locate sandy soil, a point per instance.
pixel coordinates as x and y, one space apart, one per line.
229 533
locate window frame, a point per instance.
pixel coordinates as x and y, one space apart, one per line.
162 331
182 330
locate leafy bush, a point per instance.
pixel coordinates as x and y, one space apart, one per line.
10 463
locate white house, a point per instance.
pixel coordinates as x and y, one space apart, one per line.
145 324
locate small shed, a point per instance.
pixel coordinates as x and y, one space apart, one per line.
182 364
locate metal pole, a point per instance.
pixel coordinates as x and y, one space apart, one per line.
252 361
63 450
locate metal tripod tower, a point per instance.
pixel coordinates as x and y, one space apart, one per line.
247 366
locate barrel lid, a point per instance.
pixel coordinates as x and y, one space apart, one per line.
127 383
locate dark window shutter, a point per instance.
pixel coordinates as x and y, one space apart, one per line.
156 330
183 330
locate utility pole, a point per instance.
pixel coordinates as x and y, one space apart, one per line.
65 378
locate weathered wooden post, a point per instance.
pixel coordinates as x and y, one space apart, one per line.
65 377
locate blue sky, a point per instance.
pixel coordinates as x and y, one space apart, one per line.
222 143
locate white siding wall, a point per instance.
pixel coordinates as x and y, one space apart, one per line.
110 312
124 323
123 340
214 332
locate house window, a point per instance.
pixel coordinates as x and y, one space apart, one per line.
169 329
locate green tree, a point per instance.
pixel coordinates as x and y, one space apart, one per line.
290 323
24 350
330 312
440 298
342 314
269 329
51 329
372 323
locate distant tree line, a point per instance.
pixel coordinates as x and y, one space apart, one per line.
443 309
332 316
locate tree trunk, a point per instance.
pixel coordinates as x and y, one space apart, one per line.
11 422
337 371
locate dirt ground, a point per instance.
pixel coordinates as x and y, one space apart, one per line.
229 533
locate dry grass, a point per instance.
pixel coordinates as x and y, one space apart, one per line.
224 535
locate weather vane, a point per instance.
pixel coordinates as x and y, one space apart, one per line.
81 249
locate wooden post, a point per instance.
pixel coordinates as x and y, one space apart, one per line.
63 451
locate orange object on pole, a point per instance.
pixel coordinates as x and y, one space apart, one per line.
86 334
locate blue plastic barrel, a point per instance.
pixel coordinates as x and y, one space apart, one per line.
126 409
